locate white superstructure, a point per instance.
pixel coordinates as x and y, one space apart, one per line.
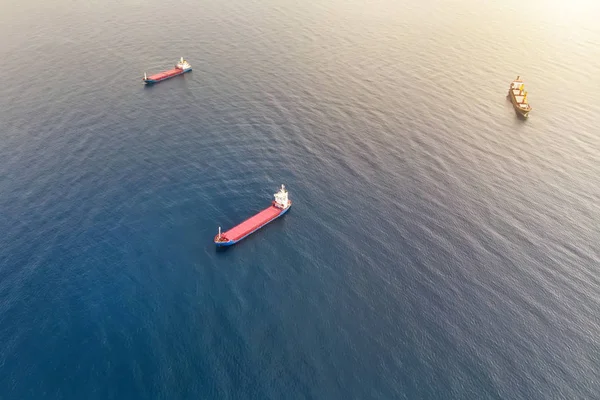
183 64
281 198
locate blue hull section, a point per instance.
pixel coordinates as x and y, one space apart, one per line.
232 242
153 81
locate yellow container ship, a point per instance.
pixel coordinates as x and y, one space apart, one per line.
518 97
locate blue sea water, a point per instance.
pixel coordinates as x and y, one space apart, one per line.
439 247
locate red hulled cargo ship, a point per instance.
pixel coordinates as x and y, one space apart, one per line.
278 207
180 68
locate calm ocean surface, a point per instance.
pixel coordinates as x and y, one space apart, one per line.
439 247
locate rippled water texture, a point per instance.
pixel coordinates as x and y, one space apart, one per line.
439 247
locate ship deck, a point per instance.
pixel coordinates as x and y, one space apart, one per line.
252 223
165 74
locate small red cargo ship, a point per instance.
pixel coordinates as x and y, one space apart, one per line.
278 207
180 68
